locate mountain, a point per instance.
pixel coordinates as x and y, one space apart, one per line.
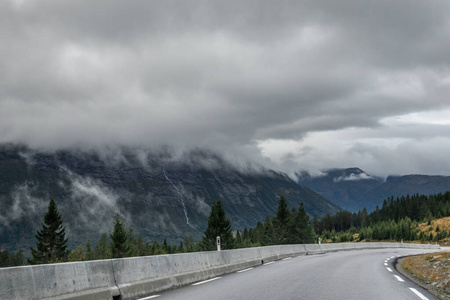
398 186
353 189
158 194
345 187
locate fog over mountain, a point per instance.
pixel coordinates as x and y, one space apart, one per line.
291 85
157 193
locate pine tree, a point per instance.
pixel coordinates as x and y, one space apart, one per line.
304 229
131 243
11 259
51 245
280 222
119 246
268 233
102 250
89 252
218 225
155 249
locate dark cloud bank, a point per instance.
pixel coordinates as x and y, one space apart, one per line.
291 84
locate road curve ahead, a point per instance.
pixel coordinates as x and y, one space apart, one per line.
356 274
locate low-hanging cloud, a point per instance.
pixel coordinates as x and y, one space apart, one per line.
229 76
24 203
97 203
353 177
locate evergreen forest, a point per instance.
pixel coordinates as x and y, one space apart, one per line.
399 219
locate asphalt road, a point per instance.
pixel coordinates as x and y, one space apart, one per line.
361 274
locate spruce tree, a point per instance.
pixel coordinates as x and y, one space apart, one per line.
102 249
51 245
119 246
268 232
280 222
304 230
218 225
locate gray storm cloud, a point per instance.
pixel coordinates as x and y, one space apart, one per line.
227 75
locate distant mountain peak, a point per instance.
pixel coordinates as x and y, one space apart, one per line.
348 174
353 189
352 174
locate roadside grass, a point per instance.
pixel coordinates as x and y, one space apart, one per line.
433 269
442 224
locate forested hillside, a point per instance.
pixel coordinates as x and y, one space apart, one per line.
353 189
397 219
160 194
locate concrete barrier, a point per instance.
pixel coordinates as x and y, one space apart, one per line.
313 249
82 280
136 277
271 253
332 247
130 278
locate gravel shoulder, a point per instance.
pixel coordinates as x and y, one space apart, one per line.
431 271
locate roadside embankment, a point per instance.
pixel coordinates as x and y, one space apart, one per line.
431 271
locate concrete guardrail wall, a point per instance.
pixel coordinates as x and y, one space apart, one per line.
131 278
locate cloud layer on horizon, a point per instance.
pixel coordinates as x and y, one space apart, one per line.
306 84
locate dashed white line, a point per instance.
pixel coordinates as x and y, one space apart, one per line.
418 294
245 270
269 263
389 269
287 258
148 298
399 278
205 281
385 264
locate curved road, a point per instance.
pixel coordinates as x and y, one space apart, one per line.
357 274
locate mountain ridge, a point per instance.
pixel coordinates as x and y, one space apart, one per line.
158 194
353 189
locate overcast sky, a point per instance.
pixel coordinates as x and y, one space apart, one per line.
293 84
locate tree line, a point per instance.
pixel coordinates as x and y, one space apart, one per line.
396 220
286 227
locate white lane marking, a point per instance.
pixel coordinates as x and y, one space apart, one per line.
245 270
287 258
418 294
151 297
387 259
389 269
399 278
205 281
385 264
269 263
392 256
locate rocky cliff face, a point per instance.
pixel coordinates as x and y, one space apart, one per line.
158 194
